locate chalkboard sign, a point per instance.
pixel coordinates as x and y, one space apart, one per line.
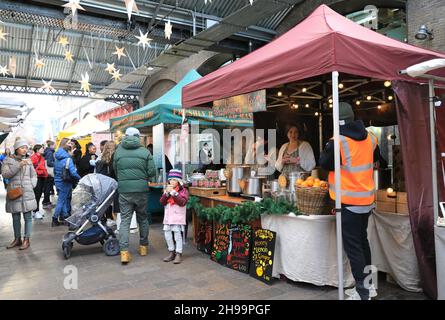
245 103
263 248
205 236
238 253
220 243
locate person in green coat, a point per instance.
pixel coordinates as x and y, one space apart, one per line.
134 169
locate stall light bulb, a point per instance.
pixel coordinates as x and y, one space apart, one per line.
341 86
295 106
387 83
316 113
330 106
304 90
379 107
389 190
368 98
390 98
389 137
357 102
279 93
307 106
330 101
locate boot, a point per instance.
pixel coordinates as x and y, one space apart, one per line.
17 242
178 258
55 222
125 257
25 244
170 257
143 250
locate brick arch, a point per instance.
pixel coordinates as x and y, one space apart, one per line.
158 89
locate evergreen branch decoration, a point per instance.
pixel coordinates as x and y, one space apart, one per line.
242 213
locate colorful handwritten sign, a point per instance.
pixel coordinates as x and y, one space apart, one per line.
205 236
220 243
238 253
263 248
246 103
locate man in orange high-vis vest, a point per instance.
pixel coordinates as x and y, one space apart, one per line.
358 151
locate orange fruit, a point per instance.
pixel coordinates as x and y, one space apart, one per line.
310 183
317 180
300 181
304 184
317 185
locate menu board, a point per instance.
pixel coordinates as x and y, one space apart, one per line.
238 253
220 243
263 248
245 103
205 236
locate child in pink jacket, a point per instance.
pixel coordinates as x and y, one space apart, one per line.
174 199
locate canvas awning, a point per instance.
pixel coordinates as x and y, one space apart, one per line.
324 42
168 110
86 126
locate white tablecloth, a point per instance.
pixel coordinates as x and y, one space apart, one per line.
392 249
306 249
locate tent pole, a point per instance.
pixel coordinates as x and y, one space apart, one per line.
433 150
337 182
183 146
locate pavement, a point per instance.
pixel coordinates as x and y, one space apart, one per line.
42 272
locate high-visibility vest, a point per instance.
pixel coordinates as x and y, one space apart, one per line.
356 172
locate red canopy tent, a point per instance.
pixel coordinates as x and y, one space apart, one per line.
327 42
324 42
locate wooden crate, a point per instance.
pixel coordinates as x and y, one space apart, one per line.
402 197
402 208
207 192
383 206
382 196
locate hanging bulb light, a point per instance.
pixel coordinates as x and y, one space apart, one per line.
304 89
379 107
330 101
330 106
341 86
390 98
279 93
369 98
387 83
316 114
295 106
358 102
307 106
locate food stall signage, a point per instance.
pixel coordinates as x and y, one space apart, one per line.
245 103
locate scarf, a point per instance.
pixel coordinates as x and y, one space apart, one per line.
170 200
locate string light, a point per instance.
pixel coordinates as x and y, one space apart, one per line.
330 106
304 89
316 113
341 86
307 106
295 106
387 83
330 100
390 98
379 107
358 102
279 93
369 98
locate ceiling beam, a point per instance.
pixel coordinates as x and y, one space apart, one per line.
28 69
73 68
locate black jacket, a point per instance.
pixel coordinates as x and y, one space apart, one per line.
355 130
84 165
105 168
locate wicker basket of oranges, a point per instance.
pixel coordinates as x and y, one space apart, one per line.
311 195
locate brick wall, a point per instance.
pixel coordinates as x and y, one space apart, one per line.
432 14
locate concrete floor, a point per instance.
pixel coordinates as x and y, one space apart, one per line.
38 273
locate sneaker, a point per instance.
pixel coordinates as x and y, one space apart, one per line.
352 292
38 215
135 230
356 296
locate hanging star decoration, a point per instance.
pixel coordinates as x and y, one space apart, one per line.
251 2
116 75
168 30
85 83
120 52
69 56
131 6
74 5
47 85
205 1
39 62
144 39
63 41
3 34
4 70
110 68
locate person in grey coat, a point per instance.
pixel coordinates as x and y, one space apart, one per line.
20 173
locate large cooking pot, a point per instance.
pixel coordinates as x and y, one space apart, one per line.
251 186
236 173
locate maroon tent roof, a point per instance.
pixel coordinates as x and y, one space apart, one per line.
324 42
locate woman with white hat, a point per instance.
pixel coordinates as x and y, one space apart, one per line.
20 197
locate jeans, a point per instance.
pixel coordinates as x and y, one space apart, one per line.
49 185
130 202
64 192
38 190
17 224
356 245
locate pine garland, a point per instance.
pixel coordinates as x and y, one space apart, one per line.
243 213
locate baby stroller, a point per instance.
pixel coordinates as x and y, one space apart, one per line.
91 198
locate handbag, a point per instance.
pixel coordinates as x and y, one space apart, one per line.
17 192
66 175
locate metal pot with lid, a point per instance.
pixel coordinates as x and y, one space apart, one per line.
234 174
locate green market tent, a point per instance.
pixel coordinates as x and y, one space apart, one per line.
168 110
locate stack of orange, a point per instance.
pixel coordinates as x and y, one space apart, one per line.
311 182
